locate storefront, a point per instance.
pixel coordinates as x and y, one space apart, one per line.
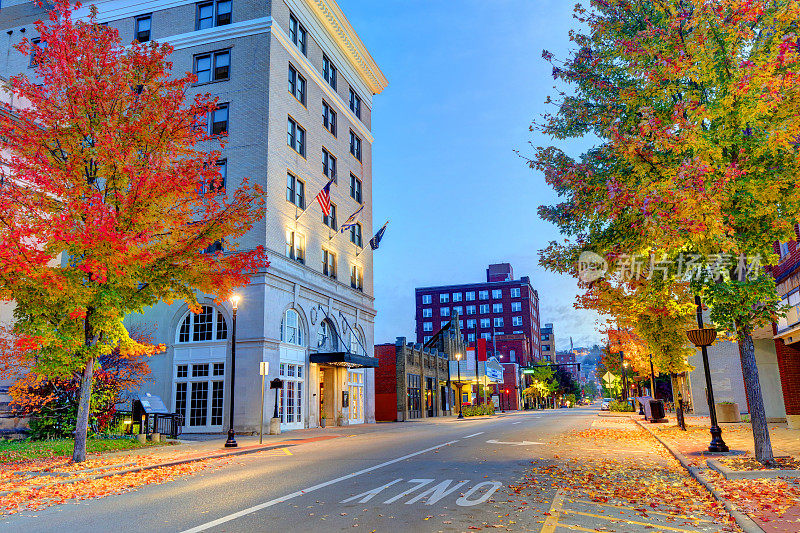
342 378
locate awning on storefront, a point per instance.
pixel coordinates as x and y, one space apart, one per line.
347 359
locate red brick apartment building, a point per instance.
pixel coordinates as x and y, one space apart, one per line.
787 330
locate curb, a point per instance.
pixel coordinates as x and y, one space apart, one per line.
747 524
729 473
153 467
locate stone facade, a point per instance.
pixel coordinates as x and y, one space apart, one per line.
291 310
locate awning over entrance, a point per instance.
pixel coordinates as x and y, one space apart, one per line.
347 359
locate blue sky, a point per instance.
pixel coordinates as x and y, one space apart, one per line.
466 79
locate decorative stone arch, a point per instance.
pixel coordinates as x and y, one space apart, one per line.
354 345
332 340
180 313
304 324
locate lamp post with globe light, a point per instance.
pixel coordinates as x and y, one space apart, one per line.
458 364
231 442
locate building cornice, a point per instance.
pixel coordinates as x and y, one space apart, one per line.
220 33
334 21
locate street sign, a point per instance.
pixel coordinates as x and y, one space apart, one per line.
494 370
609 379
263 368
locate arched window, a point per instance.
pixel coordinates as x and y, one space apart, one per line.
355 343
512 355
206 326
292 328
326 337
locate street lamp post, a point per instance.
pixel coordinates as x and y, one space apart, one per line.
702 338
458 364
652 378
231 442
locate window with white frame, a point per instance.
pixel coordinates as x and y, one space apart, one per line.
291 328
470 296
426 338
328 263
498 322
512 356
355 382
458 310
426 298
470 337
298 34
297 85
497 308
516 306
355 234
470 309
471 323
456 296
444 311
427 326
356 343
290 405
484 309
205 326
516 321
497 294
296 136
485 322
515 292
295 246
200 393
444 298
326 337
784 249
483 295
214 13
357 278
329 71
427 312
486 336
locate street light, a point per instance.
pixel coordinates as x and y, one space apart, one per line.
458 364
231 442
702 338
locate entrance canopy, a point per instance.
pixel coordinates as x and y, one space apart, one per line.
347 359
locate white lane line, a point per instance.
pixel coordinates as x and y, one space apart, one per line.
253 509
523 443
512 423
474 434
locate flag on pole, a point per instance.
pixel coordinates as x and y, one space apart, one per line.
351 220
324 198
375 241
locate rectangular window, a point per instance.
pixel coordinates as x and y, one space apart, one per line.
328 164
444 298
202 332
217 388
218 125
199 404
784 249
355 188
497 308
426 298
330 220
483 295
296 137
214 66
210 14
471 323
328 263
443 323
516 306
295 190
444 311
141 29
426 338
297 85
458 310
427 326
470 296
486 336
357 278
329 118
35 42
219 368
516 321
180 399
485 323
355 103
470 337
515 292
470 309
497 294
182 371
329 71
355 234
295 246
456 296
355 145
427 312
498 322
297 33
200 371
484 309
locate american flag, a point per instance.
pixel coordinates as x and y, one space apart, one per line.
324 198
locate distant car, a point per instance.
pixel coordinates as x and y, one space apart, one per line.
605 404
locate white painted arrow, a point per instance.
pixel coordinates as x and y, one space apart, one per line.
523 443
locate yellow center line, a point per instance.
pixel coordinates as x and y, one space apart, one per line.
554 513
646 511
614 519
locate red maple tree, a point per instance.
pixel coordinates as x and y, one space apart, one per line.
111 199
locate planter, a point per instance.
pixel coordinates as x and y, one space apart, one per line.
728 412
141 437
155 437
322 423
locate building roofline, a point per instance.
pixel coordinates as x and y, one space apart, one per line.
438 287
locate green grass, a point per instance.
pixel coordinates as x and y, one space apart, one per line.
20 450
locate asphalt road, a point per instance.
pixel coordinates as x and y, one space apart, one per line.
444 475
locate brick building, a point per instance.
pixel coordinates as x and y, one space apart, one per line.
787 330
413 381
493 310
295 85
548 343
568 359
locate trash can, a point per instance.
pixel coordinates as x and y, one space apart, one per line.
657 412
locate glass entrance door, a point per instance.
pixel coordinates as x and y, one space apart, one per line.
355 380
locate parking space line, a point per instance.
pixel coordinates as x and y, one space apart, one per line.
646 511
253 509
554 513
615 519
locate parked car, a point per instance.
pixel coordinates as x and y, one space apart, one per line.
605 404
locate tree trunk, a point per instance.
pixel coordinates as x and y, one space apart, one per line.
758 417
82 422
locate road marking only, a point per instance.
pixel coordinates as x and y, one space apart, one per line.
253 509
434 493
523 443
475 434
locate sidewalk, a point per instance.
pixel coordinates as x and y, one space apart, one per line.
773 504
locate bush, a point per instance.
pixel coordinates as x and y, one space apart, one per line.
477 410
621 407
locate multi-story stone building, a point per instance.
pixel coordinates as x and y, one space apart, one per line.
490 310
295 85
548 343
